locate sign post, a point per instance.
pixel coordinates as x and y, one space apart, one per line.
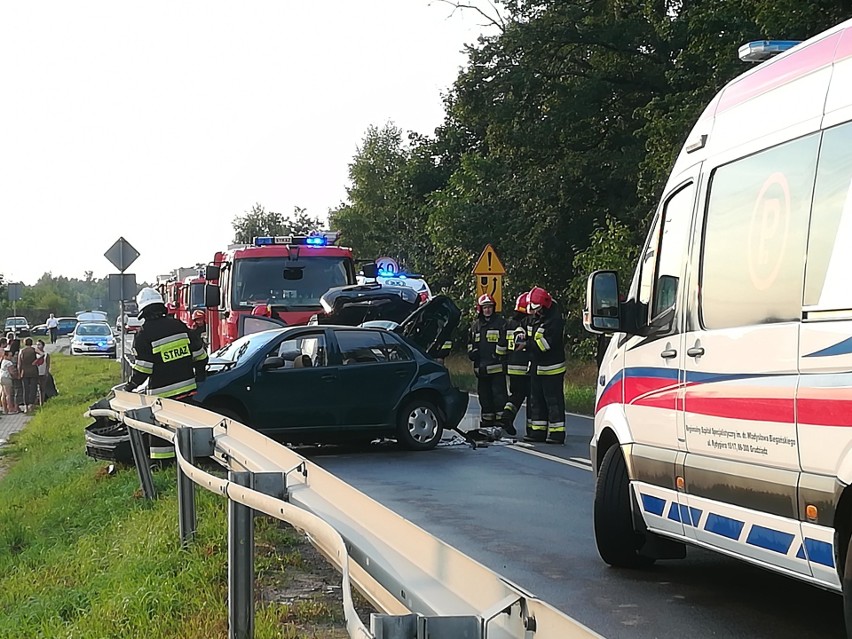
121 255
489 272
14 290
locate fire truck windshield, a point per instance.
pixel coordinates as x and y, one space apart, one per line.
196 296
283 282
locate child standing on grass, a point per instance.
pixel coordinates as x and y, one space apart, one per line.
6 389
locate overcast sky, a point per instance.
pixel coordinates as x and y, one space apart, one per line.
160 121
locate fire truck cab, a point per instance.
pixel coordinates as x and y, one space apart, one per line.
275 281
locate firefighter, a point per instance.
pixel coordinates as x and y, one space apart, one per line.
547 369
169 356
198 325
487 348
518 363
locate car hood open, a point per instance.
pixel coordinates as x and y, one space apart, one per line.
431 324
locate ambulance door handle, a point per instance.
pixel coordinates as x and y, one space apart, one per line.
695 351
669 353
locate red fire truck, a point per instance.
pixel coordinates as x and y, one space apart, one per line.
276 281
190 298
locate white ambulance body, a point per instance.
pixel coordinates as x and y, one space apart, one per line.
724 405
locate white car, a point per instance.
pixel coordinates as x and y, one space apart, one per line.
131 323
93 338
415 282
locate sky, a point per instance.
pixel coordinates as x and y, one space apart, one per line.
161 121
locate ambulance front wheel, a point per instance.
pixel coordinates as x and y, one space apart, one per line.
617 541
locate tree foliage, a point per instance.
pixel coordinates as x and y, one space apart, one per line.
258 222
61 296
558 138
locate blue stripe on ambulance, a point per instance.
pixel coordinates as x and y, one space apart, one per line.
778 541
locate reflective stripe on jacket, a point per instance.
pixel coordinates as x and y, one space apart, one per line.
170 356
545 342
487 344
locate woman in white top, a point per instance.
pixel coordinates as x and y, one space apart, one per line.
8 395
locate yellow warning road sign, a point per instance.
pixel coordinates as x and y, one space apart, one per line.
488 263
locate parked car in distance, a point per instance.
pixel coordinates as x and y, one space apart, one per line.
64 326
93 338
132 324
39 329
18 325
308 384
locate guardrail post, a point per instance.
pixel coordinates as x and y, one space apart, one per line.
240 564
140 457
187 519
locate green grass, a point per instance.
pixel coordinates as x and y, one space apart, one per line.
83 555
579 382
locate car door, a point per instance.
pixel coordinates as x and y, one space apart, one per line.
651 365
302 394
740 361
432 324
375 372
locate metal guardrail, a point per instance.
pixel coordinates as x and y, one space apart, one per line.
425 588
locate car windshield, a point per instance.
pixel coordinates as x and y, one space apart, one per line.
240 351
93 329
16 321
293 284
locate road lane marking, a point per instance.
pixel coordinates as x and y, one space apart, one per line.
558 460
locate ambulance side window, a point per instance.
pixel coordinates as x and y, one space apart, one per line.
830 237
663 258
755 234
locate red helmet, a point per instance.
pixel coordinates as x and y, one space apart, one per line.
484 300
199 315
522 302
262 310
539 298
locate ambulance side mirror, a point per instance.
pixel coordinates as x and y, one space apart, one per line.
601 314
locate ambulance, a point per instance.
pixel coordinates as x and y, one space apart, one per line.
723 416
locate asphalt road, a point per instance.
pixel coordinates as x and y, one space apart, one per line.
529 518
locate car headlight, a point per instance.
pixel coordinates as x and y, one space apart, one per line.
110 342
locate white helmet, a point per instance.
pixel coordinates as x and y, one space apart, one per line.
146 297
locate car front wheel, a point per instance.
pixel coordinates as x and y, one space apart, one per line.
420 425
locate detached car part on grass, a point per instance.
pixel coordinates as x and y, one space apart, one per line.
425 588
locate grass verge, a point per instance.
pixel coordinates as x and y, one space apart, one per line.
579 386
83 555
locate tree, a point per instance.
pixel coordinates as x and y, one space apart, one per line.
257 222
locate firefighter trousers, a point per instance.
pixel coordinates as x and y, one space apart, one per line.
519 390
547 409
492 397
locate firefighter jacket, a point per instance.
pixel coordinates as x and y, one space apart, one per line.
487 344
546 343
518 359
170 355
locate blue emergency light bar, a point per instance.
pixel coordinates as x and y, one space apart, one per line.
761 50
320 238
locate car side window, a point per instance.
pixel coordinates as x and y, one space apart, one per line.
304 351
361 347
396 352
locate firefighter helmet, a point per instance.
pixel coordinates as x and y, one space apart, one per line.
484 300
262 310
522 302
147 296
539 298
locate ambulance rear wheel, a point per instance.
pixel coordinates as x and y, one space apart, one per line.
617 541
